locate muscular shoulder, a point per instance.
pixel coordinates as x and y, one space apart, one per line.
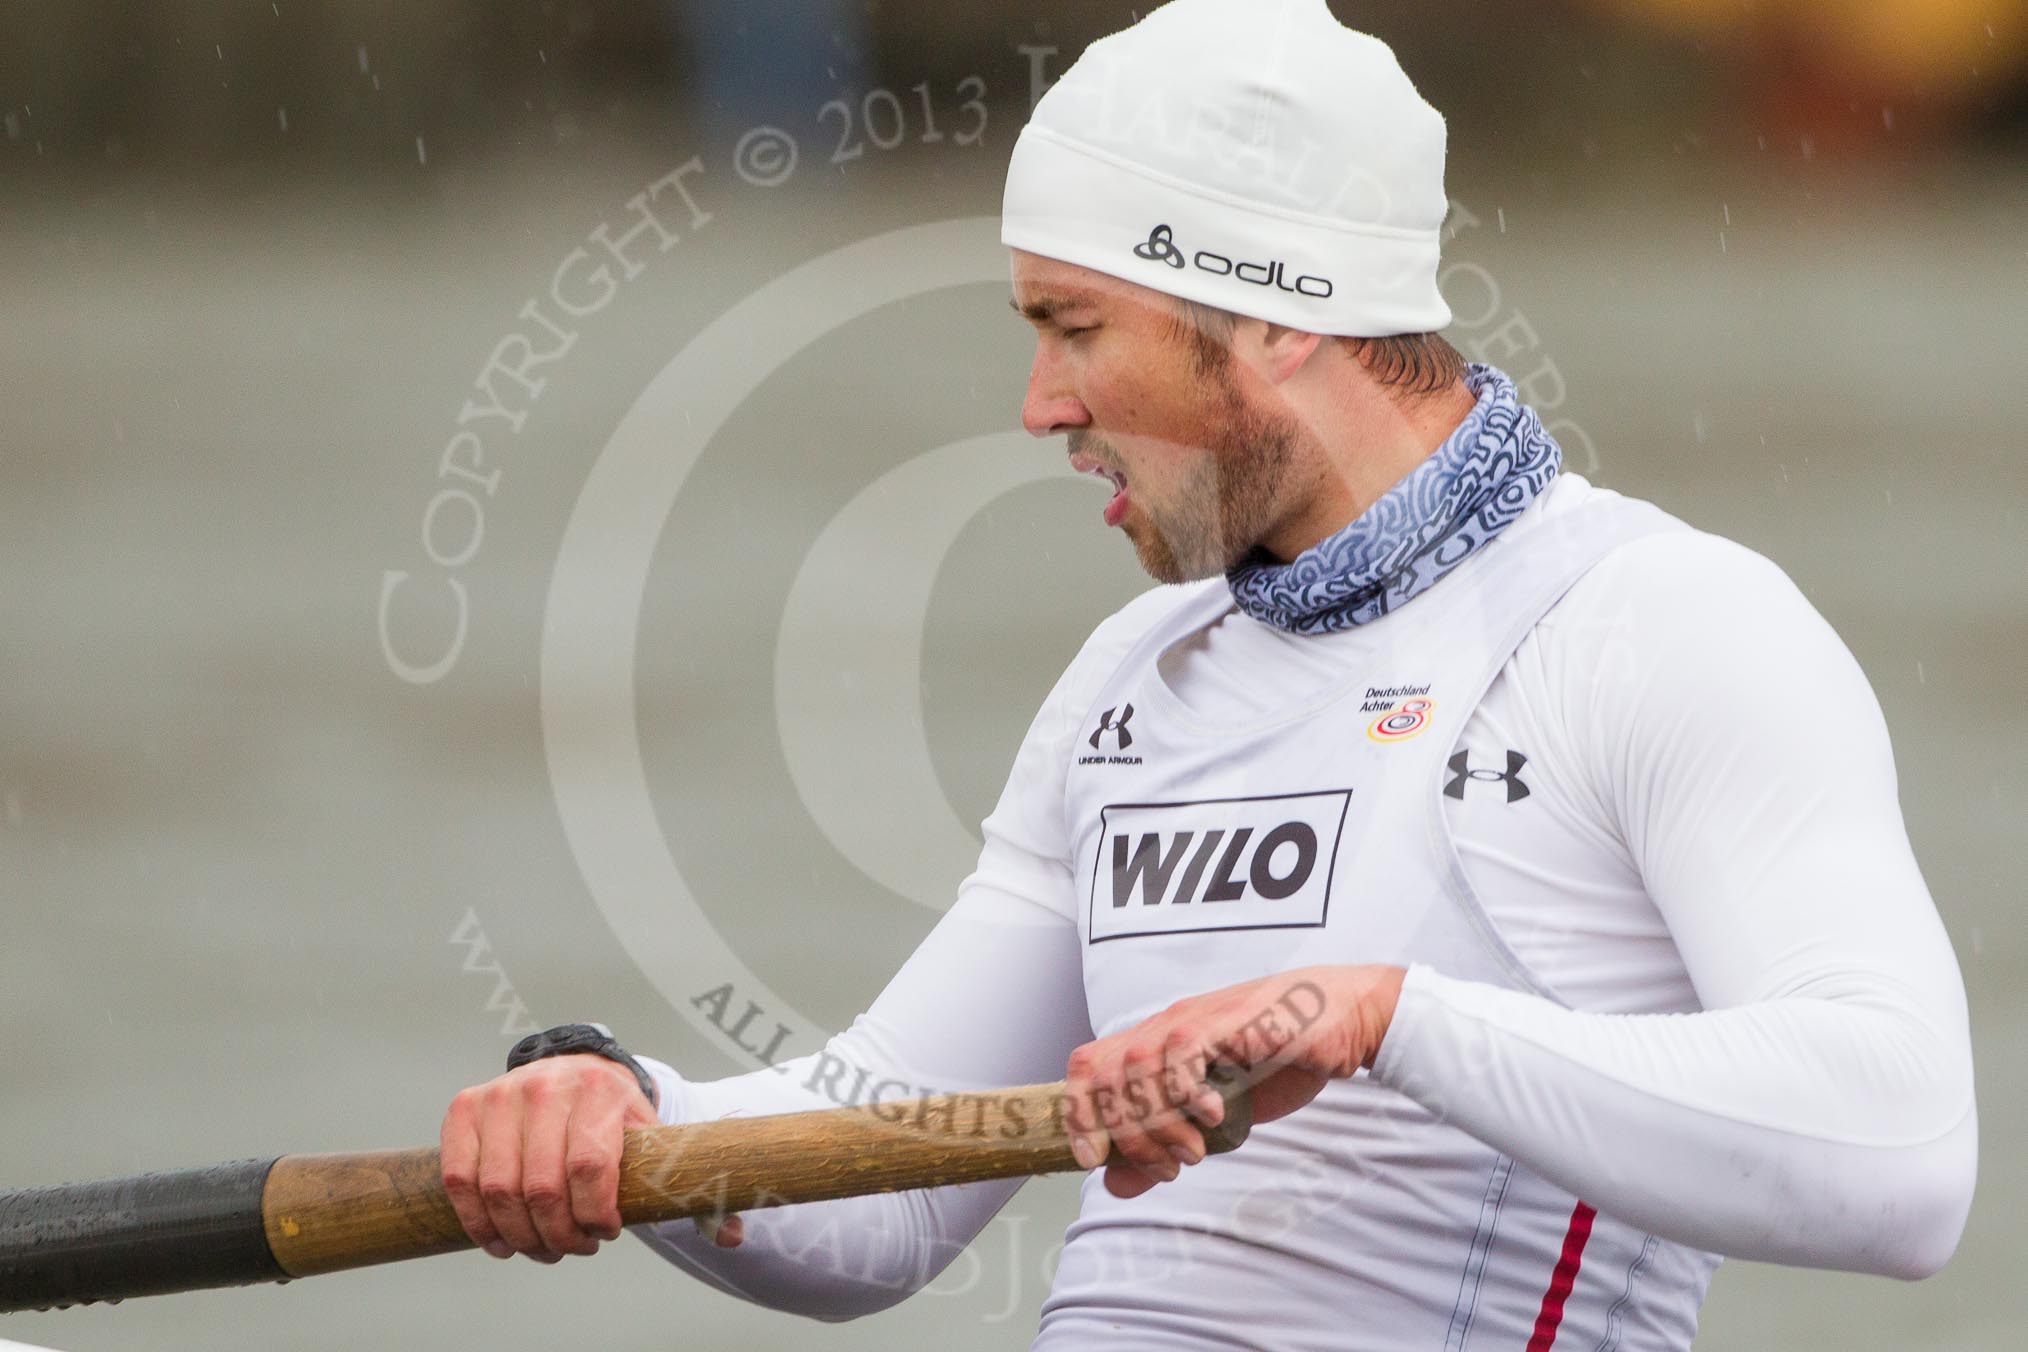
1688 572
1686 614
1697 687
1658 583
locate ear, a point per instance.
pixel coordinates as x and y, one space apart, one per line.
1285 350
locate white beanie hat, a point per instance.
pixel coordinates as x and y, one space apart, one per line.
1253 155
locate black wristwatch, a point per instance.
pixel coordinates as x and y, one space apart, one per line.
568 1039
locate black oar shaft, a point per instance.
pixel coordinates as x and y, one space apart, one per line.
139 1236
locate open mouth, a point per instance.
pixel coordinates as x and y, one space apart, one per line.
1116 506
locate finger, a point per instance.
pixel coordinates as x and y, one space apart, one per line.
545 1186
1125 1181
1183 1064
500 1170
726 1232
1207 1106
591 1163
1082 1122
1129 1111
1207 1103
458 1155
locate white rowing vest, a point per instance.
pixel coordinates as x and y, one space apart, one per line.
1211 855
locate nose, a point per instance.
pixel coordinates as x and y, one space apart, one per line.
1050 406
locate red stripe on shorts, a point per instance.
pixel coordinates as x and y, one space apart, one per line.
1562 1279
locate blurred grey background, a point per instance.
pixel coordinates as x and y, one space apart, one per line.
264 894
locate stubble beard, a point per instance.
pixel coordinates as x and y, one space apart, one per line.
1228 498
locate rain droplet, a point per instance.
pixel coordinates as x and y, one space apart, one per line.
282 116
421 155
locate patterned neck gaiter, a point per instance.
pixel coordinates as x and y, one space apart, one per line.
1464 494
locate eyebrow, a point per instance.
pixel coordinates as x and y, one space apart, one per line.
1044 308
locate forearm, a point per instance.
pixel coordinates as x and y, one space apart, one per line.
942 1025
829 1260
1818 1108
1830 1130
994 997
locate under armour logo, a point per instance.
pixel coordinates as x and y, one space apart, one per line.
1118 729
1160 248
1461 771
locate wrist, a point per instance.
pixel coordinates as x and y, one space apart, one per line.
671 1105
1380 995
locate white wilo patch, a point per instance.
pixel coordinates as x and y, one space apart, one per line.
1216 864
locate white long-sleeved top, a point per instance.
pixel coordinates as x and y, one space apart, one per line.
1744 1031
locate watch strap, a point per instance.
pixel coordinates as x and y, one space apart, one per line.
572 1039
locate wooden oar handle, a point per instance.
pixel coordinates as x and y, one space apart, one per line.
740 1164
305 1214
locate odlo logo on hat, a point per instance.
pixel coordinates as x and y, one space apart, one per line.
1160 247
